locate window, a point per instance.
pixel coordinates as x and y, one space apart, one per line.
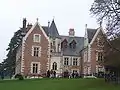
100 56
75 61
54 43
51 45
73 44
99 68
66 61
54 66
35 68
36 51
64 44
51 50
37 37
88 70
99 42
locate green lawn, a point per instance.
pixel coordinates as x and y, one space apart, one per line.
57 84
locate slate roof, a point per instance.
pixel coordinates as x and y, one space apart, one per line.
79 45
53 32
45 28
91 33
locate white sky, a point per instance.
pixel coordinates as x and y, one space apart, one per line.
68 14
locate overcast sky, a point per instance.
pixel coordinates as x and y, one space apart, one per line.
67 14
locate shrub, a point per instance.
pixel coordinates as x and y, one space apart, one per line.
19 76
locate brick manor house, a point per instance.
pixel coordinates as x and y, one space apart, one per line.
43 48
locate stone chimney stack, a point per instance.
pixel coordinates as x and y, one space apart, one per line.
29 26
24 23
71 32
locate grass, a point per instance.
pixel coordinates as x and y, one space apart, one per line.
57 84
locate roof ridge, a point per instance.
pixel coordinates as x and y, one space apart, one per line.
73 37
44 26
92 28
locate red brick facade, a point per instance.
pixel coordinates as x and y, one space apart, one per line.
54 48
92 53
28 58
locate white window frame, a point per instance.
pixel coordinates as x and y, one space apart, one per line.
99 51
78 59
38 67
39 38
68 60
39 54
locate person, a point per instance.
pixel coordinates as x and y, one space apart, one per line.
51 74
48 73
73 75
70 74
54 74
76 74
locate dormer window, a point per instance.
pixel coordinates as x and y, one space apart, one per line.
64 44
73 44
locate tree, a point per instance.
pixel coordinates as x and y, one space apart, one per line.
108 11
9 62
16 40
111 54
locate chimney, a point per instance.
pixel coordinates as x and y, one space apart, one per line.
48 24
85 26
24 22
29 26
71 32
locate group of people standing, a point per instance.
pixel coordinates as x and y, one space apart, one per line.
71 74
66 74
51 74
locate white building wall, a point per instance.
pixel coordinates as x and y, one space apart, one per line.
58 41
57 60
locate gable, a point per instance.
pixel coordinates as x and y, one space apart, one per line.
98 32
36 26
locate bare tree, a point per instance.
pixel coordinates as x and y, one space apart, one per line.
108 11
